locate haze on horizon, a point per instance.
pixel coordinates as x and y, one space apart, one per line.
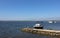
29 9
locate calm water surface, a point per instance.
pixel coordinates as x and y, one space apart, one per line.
11 29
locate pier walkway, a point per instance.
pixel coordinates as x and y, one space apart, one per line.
42 31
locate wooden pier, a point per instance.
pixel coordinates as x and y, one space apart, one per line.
42 31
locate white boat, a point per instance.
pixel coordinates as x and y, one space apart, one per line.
38 26
52 21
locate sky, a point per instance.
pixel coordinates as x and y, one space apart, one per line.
29 9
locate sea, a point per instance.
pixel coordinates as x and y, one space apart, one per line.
12 29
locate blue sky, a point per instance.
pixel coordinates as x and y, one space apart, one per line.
29 9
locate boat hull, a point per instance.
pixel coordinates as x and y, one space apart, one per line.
38 27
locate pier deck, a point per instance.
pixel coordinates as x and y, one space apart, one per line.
42 31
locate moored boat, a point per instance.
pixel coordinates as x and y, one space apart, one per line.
38 26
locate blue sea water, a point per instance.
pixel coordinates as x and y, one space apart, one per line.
12 29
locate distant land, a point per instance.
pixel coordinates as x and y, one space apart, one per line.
31 19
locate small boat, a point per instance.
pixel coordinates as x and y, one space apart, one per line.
38 26
52 21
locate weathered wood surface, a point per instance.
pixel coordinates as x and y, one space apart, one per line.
42 31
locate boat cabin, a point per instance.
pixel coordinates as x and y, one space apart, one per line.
38 26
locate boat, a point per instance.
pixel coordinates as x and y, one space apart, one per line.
51 21
38 26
